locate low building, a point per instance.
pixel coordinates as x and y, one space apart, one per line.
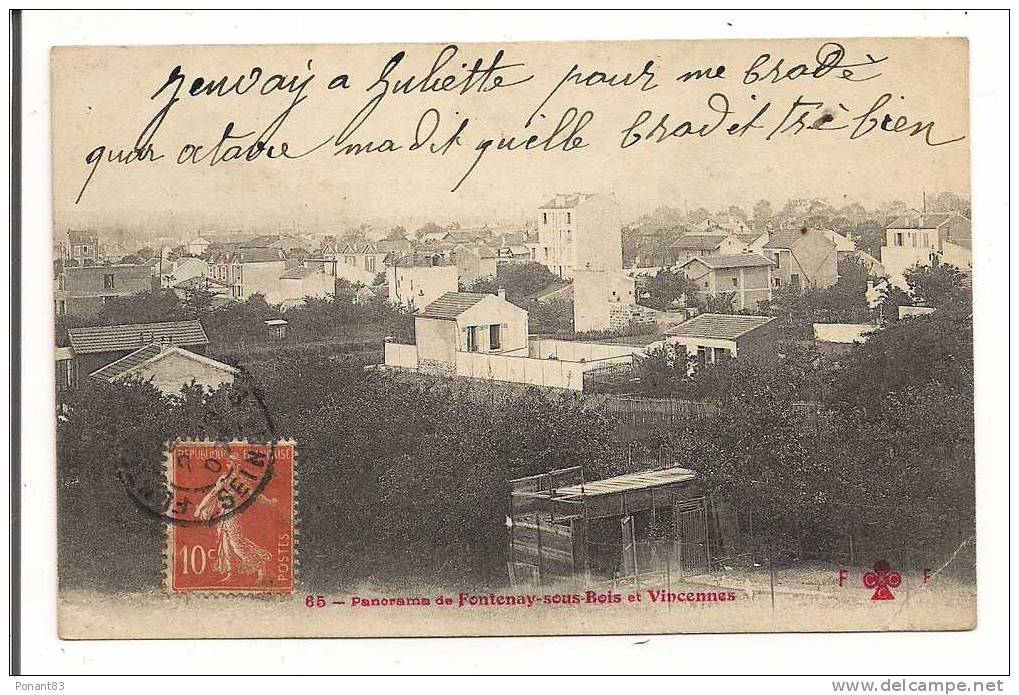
710 338
746 276
838 338
803 258
168 368
93 347
483 336
466 322
563 527
417 280
925 239
83 290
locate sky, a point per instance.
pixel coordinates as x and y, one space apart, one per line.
104 97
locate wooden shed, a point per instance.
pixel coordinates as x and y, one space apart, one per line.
562 526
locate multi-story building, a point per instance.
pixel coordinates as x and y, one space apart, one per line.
923 239
83 247
803 258
579 231
83 290
746 276
249 271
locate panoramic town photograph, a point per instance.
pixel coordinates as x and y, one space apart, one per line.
658 364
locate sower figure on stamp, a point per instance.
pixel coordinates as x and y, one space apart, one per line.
236 554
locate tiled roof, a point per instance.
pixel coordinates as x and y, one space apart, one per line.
787 238
451 305
256 255
151 353
570 200
931 220
740 260
702 242
79 237
719 326
93 339
126 364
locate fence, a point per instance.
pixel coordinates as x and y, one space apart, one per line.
402 356
636 411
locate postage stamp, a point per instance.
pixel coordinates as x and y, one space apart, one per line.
230 526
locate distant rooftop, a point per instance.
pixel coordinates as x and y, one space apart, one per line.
719 326
932 220
739 260
566 200
700 242
94 339
787 238
150 353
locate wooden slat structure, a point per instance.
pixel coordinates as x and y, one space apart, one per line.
551 532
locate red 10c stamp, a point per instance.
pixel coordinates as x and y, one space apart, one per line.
230 526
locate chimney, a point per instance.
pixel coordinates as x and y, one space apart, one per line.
501 293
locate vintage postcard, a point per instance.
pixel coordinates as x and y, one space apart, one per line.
514 339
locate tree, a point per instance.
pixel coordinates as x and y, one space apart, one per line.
938 285
143 307
396 233
668 289
763 214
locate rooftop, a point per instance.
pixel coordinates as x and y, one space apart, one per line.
843 332
451 305
95 339
566 200
932 220
787 238
298 273
739 260
719 326
702 242
628 482
150 353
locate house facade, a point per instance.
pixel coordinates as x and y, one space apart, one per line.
803 258
168 368
710 338
747 276
474 262
83 290
417 281
83 247
466 322
302 281
249 272
578 231
924 239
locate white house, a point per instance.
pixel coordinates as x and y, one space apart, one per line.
168 368
417 281
710 338
919 238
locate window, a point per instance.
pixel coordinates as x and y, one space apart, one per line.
777 282
778 260
926 239
794 280
735 282
568 218
706 285
546 253
108 281
898 238
60 282
61 307
495 337
472 338
544 218
369 263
